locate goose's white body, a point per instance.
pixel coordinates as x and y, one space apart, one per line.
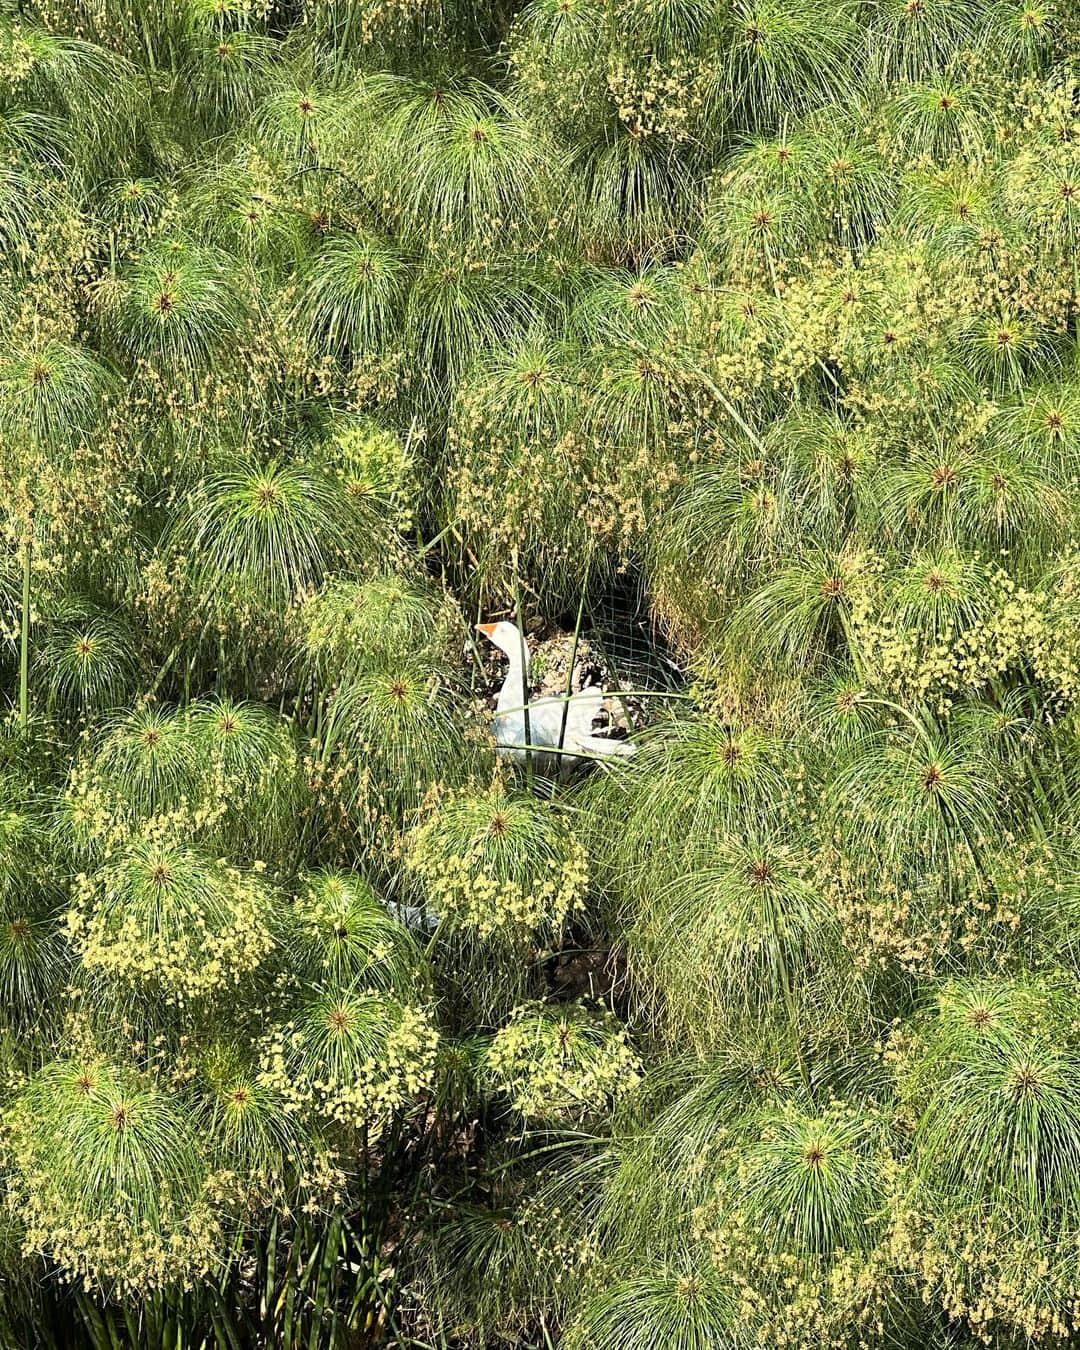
544 716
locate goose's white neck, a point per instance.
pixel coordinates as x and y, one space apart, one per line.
509 640
520 658
513 645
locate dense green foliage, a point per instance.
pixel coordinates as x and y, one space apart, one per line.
738 337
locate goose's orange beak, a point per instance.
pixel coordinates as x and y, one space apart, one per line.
486 628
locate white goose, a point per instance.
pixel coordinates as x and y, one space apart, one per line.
546 726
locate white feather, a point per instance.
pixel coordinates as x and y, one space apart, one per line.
555 723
